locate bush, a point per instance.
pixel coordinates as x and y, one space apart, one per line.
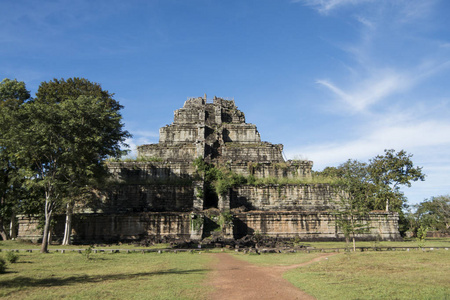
12 257
2 265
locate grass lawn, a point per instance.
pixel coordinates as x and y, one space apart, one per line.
106 275
28 245
377 275
429 242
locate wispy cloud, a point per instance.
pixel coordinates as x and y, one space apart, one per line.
420 135
362 94
325 6
141 137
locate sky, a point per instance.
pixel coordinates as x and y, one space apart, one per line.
332 80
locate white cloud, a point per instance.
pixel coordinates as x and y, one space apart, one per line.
428 141
362 94
404 135
325 6
366 22
141 137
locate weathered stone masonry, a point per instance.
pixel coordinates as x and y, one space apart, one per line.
161 197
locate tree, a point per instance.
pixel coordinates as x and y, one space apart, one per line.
67 132
390 171
13 94
350 216
355 179
434 213
376 185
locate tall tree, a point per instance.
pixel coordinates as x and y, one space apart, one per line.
352 213
389 172
434 213
70 128
13 94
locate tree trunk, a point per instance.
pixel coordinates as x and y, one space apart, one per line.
353 235
50 231
387 203
13 226
3 232
48 218
68 226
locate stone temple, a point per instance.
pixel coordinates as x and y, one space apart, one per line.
163 195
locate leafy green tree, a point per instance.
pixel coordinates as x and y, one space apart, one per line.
374 186
13 94
355 179
351 216
391 171
68 131
434 213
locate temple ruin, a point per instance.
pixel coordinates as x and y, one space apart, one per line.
164 195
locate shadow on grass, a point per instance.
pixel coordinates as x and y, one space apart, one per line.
24 282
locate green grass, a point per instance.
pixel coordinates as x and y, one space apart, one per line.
429 242
7 245
110 276
377 275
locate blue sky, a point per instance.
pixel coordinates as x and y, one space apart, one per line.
329 79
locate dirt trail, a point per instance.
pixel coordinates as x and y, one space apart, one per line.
237 279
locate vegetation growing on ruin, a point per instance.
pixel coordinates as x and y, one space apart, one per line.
317 179
222 178
136 159
197 222
243 145
225 219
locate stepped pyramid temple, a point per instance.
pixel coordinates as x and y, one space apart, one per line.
211 175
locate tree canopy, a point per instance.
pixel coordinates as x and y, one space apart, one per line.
376 185
433 213
63 136
392 170
13 94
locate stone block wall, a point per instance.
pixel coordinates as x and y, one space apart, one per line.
97 228
169 152
258 153
142 198
175 134
308 197
29 228
289 169
138 172
132 227
240 133
311 226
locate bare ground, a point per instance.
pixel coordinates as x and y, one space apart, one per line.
236 279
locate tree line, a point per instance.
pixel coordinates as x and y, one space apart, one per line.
52 147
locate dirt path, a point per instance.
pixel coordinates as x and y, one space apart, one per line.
237 279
